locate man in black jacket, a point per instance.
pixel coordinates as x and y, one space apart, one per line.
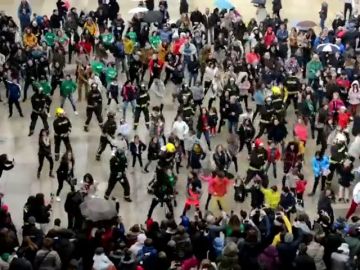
94 100
39 102
62 129
118 165
142 105
55 20
108 134
30 76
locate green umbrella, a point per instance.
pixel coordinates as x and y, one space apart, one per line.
50 38
107 39
97 67
111 74
155 41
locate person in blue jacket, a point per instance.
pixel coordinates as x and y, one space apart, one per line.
320 165
14 94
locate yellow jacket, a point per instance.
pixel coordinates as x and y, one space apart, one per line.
288 226
30 40
91 28
272 198
128 46
162 52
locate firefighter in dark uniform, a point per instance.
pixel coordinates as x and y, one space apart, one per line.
292 85
62 129
338 154
187 112
39 102
185 95
94 105
142 105
108 134
118 165
277 102
266 115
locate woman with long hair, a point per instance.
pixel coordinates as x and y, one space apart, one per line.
203 126
65 172
45 152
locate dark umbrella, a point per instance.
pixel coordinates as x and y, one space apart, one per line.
305 25
153 16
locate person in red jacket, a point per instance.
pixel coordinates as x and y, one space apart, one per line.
155 67
300 187
343 117
218 188
273 154
269 37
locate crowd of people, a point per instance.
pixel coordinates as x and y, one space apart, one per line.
275 88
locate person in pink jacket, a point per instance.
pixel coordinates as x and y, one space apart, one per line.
300 130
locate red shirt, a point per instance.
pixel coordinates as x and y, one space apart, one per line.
343 119
300 186
204 120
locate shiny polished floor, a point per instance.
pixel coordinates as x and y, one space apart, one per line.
21 182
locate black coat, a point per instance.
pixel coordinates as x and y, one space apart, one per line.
153 151
137 149
304 261
246 133
184 7
114 9
277 133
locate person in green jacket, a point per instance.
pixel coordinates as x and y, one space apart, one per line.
67 88
313 70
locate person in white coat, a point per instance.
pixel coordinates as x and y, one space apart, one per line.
180 129
354 97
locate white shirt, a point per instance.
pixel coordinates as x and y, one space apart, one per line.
180 129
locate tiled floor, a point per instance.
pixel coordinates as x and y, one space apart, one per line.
20 182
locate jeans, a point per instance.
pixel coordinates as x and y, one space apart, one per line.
232 126
126 104
72 101
207 136
322 23
274 167
192 77
347 7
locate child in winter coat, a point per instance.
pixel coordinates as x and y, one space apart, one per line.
343 118
213 120
346 177
300 189
273 154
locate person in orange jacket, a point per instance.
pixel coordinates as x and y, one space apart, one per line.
218 188
29 39
344 117
273 155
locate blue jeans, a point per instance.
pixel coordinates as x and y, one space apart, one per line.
319 95
322 23
206 134
126 104
72 101
192 76
232 125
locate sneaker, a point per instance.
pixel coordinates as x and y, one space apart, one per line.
38 175
340 200
97 158
58 199
51 175
311 194
31 133
76 113
127 199
86 128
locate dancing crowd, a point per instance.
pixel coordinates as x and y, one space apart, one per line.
275 88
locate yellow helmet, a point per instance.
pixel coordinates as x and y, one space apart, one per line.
276 90
59 111
170 148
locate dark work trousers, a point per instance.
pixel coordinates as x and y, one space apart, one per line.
34 116
245 99
112 98
123 182
168 73
250 174
294 99
207 85
17 105
333 167
102 145
248 146
316 182
262 129
347 7
257 111
89 114
234 159
57 141
27 84
155 201
210 102
54 83
61 181
138 111
74 222
41 162
134 160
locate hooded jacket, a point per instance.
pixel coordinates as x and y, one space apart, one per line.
269 258
354 96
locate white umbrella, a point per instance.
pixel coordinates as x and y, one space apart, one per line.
327 47
138 10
